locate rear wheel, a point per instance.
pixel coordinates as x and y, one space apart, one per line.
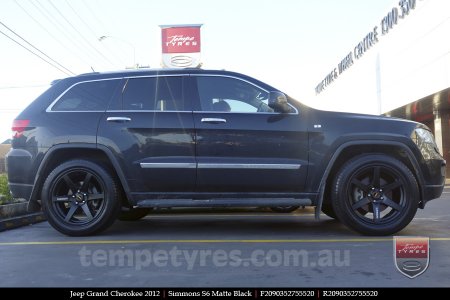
375 194
79 198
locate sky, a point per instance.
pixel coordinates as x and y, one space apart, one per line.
290 44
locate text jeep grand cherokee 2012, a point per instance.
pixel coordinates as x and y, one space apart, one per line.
97 147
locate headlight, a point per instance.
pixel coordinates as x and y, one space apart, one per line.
426 136
424 139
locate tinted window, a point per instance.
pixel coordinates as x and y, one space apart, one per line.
154 93
231 95
87 96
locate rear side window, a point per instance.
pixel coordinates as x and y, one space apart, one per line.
87 96
154 93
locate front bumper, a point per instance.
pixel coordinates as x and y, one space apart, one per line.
434 191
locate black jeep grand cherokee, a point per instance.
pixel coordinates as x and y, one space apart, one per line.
97 147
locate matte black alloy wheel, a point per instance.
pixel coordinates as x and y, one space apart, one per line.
80 198
375 194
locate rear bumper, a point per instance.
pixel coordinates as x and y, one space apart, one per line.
20 190
19 166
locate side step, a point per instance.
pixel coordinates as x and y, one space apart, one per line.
222 202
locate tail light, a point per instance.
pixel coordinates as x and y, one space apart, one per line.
18 127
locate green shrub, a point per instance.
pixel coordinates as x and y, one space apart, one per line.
4 189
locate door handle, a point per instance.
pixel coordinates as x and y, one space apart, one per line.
118 119
213 120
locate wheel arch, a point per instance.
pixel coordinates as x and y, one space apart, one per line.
350 149
64 152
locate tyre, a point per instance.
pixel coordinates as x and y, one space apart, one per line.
284 209
327 209
133 214
80 197
375 194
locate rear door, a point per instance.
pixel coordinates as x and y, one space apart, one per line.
149 128
243 146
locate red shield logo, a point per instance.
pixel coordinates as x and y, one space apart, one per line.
411 255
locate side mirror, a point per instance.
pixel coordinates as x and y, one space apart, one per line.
278 101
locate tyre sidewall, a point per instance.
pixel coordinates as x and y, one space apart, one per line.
342 207
106 216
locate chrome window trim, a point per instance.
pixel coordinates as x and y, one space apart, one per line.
151 76
77 111
50 107
238 112
147 111
244 80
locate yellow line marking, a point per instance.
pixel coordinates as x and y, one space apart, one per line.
106 242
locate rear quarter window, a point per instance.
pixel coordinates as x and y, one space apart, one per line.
87 96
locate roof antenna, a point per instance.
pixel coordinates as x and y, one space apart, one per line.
92 69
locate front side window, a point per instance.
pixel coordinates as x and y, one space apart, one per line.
224 94
87 96
154 93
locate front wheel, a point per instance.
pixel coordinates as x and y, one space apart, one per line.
79 198
375 194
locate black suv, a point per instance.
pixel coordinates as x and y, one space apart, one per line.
102 146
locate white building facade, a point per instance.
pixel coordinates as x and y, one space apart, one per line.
400 68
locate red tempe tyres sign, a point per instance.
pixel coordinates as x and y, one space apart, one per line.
181 40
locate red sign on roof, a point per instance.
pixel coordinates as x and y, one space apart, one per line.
181 39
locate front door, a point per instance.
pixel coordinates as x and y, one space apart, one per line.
243 146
